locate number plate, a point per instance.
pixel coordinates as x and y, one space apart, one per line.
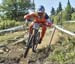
36 26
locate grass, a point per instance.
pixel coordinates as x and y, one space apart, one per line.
70 26
63 52
64 49
11 36
4 24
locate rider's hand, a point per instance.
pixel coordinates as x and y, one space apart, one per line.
52 25
48 24
25 16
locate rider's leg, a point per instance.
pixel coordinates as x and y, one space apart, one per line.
42 33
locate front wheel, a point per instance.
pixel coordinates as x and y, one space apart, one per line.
28 46
36 39
26 52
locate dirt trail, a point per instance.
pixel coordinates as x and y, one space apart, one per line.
16 53
47 38
43 45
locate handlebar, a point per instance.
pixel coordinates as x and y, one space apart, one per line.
41 24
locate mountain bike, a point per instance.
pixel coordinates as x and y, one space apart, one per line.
33 39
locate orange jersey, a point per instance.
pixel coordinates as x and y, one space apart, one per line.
36 17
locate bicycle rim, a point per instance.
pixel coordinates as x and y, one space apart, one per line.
26 52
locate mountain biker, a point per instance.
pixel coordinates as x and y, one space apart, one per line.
39 17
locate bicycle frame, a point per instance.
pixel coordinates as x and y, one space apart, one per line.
32 40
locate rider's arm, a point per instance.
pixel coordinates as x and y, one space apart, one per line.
49 22
28 16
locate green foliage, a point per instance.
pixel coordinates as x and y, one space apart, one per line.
8 23
68 10
53 11
59 9
52 18
73 10
60 6
70 26
63 52
15 8
67 14
73 16
57 18
63 15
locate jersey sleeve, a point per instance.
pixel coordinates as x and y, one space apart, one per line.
28 16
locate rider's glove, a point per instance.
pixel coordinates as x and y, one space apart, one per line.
49 24
25 17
